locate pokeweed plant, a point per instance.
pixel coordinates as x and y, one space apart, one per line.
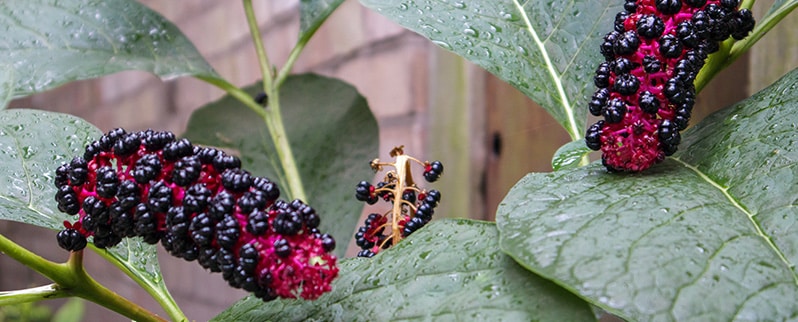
690 237
129 190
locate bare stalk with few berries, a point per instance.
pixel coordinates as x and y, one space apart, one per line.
410 212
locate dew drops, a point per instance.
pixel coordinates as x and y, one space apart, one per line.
470 32
28 152
700 249
442 44
424 255
460 5
508 16
431 28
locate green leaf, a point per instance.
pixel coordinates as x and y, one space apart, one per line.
312 13
6 85
32 145
51 42
333 136
451 270
546 49
569 155
707 234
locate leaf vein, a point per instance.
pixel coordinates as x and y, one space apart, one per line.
757 226
593 28
698 276
566 104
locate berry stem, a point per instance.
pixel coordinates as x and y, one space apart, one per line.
402 165
70 279
714 64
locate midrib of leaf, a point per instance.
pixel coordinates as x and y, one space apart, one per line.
736 204
566 104
29 204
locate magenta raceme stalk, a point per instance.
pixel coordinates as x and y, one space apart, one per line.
645 86
408 213
200 205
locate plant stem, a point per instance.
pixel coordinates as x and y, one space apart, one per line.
272 117
236 93
157 292
263 58
34 294
71 279
274 122
764 26
87 288
714 64
29 259
731 49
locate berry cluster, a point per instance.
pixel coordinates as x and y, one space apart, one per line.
200 205
408 214
645 86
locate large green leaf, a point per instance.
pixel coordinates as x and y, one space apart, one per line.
312 13
51 42
6 85
546 49
706 235
32 145
452 270
332 133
